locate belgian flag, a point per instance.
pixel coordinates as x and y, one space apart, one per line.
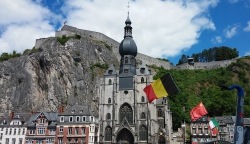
160 88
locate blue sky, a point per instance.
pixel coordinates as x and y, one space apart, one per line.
165 29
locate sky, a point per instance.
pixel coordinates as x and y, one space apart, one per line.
161 28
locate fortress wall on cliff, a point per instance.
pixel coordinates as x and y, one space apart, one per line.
69 31
205 65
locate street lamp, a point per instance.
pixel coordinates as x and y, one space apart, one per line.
183 126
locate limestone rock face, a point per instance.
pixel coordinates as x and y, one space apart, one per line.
54 75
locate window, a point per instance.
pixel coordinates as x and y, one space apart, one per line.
41 121
143 116
125 70
10 131
29 141
70 118
77 119
69 140
76 140
132 60
84 118
6 131
126 111
20 141
126 60
143 133
83 140
109 100
142 80
108 116
23 131
62 119
13 140
7 141
160 113
14 132
142 99
41 131
142 70
1 136
83 130
76 130
108 133
110 72
73 111
70 131
49 140
110 82
19 131
91 119
52 132
194 131
39 141
61 129
60 140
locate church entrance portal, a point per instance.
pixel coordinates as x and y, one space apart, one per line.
125 137
161 140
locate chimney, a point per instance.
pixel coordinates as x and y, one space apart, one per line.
11 115
61 108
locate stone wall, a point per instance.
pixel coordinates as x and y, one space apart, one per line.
205 65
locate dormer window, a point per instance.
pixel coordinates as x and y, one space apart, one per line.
77 119
71 119
62 119
83 118
142 70
73 111
81 111
110 72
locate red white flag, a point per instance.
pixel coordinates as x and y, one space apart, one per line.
198 111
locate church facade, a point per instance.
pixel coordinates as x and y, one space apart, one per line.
125 116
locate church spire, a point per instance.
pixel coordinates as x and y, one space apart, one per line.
128 28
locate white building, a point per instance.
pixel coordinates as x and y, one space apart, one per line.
13 128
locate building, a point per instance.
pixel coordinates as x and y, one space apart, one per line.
200 132
125 116
13 128
76 125
226 130
41 128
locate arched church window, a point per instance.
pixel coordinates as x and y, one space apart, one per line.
142 99
143 116
108 116
132 60
160 113
126 112
109 100
108 133
142 79
126 60
143 133
110 82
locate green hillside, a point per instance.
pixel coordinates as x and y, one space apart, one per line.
204 86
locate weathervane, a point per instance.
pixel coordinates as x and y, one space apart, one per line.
128 7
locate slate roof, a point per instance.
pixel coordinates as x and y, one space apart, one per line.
111 68
146 71
77 110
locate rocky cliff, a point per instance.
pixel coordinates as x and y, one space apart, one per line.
54 75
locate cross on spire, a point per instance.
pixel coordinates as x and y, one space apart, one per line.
128 7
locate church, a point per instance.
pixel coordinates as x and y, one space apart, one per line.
125 116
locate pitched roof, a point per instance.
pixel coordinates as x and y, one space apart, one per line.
78 110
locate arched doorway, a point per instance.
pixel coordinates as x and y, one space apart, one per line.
125 136
161 140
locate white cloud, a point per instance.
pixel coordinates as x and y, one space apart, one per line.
230 31
159 27
217 40
22 22
247 29
233 1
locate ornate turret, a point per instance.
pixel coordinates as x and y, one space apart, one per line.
128 52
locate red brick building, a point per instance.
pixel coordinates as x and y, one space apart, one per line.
76 125
41 128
